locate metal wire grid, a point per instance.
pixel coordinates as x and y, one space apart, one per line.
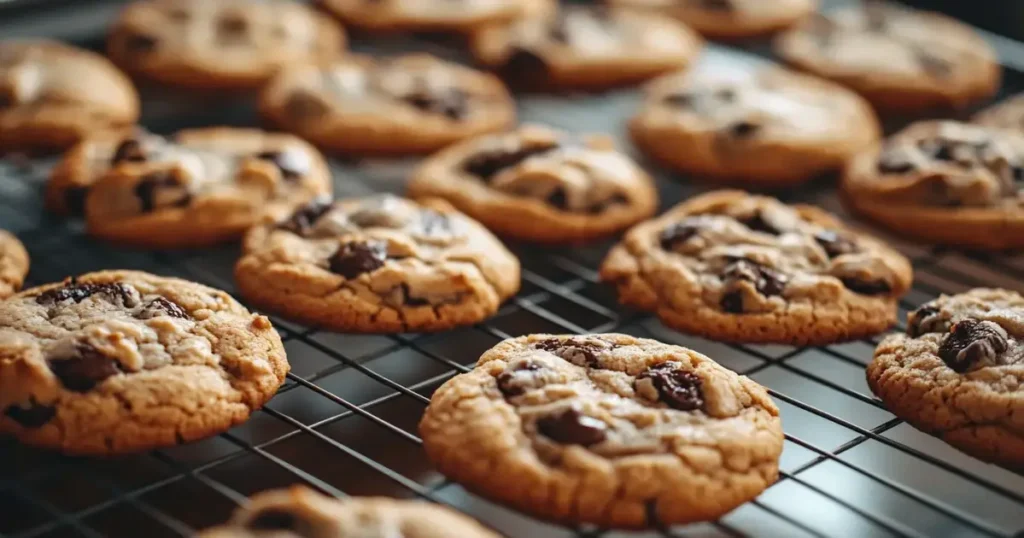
345 422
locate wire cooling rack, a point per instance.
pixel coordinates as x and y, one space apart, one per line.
345 422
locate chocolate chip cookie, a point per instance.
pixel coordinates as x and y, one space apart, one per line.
944 182
585 48
1006 114
729 19
300 511
429 15
52 95
769 127
13 264
735 267
904 61
197 188
222 44
83 164
414 103
540 184
605 429
956 373
379 264
122 361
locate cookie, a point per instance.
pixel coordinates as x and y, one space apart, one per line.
429 15
585 48
540 184
222 44
300 511
729 19
52 95
197 188
768 127
956 373
1007 114
944 182
605 429
116 362
736 267
903 61
414 103
82 165
380 264
13 264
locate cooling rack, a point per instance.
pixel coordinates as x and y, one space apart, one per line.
345 421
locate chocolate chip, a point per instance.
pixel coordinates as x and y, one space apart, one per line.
682 100
578 352
525 68
511 381
925 320
933 65
231 27
971 341
835 244
74 200
766 281
358 257
407 297
293 163
161 189
273 519
139 43
893 161
742 129
164 307
756 222
178 14
600 207
558 199
85 370
33 415
306 216
571 427
129 150
302 105
78 292
678 233
717 5
453 103
866 287
676 387
487 164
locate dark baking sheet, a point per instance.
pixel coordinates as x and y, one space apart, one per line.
346 420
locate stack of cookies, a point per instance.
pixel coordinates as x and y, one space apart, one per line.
604 429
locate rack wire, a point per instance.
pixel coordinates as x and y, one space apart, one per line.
345 421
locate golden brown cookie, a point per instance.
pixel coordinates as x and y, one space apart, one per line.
13 264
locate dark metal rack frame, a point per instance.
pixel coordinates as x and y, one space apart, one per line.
345 422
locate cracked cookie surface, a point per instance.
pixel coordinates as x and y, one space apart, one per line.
13 264
196 188
540 184
770 127
377 264
900 59
122 361
729 18
52 95
300 512
946 182
605 429
585 48
958 373
429 15
412 103
736 267
222 44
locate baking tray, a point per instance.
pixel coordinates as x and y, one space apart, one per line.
345 422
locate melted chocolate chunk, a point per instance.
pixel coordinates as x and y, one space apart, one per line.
525 68
84 371
356 258
306 216
293 163
925 320
557 199
74 199
273 519
716 5
232 28
676 234
302 106
150 188
578 352
742 129
487 164
676 387
756 222
866 287
766 281
681 100
32 416
165 307
139 43
129 150
452 103
835 244
511 381
571 427
602 206
971 341
934 66
77 292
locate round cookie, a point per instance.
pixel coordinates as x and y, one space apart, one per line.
729 19
300 511
52 95
414 103
197 188
956 373
945 182
222 44
770 127
429 15
735 267
379 264
605 429
902 60
540 184
1006 114
585 48
122 361
82 165
13 264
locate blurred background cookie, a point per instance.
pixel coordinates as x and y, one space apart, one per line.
729 18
